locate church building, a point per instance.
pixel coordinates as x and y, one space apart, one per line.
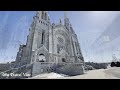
50 42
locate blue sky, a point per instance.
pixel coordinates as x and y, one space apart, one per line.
88 25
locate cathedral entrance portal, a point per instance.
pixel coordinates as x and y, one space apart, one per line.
42 58
63 60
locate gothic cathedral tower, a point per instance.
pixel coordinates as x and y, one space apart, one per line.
38 38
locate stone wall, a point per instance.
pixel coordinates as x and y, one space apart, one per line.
62 68
39 68
71 69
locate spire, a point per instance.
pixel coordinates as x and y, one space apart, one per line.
42 14
66 20
60 21
48 18
65 14
38 13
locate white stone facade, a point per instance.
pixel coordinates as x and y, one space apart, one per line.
48 42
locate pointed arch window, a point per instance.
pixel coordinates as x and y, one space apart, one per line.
42 15
43 37
45 16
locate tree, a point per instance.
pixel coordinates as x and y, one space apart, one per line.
113 64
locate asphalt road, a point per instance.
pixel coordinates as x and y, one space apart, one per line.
114 71
110 73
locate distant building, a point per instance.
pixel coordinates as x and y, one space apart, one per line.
20 56
4 67
12 64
